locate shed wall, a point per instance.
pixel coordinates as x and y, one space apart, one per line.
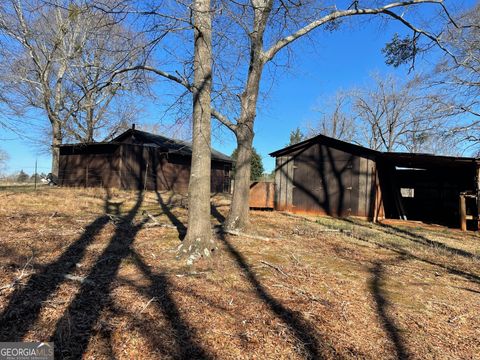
319 179
434 194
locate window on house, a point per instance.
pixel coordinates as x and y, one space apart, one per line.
407 192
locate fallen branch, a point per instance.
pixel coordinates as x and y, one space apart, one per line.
304 293
155 222
238 233
148 303
194 273
115 219
80 279
274 267
169 226
22 273
333 230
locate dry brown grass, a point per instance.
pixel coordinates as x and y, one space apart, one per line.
372 291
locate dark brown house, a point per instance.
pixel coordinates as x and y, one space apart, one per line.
323 175
137 160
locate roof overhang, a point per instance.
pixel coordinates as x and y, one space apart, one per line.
329 141
426 161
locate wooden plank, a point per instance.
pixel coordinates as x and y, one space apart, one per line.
289 183
369 189
283 184
261 195
362 189
463 213
378 210
278 187
477 173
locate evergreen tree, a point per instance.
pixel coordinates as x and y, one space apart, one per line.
296 136
22 176
256 164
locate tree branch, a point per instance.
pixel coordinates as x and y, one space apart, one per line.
223 119
182 81
270 53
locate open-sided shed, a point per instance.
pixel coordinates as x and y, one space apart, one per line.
137 160
323 175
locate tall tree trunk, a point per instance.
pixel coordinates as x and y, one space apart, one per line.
57 139
238 217
199 241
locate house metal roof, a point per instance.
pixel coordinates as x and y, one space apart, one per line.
168 145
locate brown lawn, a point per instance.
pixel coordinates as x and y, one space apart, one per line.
86 270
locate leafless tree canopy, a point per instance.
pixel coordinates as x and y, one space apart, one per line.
457 78
390 115
336 119
3 160
55 58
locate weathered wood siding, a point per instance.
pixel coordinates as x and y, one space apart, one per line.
129 166
95 165
322 180
283 182
262 195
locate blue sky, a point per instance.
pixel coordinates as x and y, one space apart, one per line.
341 60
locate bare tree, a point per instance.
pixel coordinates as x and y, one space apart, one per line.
53 58
337 120
198 241
247 36
394 115
3 160
457 78
270 27
196 78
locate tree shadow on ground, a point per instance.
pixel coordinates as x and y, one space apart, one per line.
78 322
187 347
75 327
381 302
81 320
306 335
164 205
419 239
216 214
26 302
399 250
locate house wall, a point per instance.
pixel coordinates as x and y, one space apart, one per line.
95 165
320 179
129 166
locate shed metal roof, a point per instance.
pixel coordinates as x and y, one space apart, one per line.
400 159
329 141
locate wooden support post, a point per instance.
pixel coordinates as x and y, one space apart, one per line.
375 198
35 174
477 193
463 213
120 167
146 178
